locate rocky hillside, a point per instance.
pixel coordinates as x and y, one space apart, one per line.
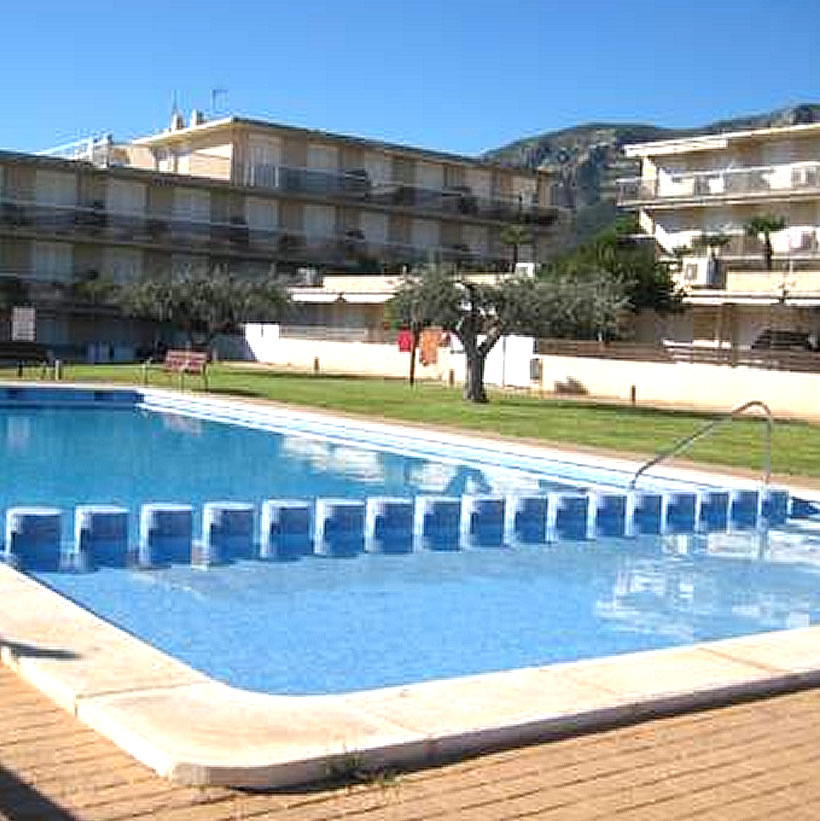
587 159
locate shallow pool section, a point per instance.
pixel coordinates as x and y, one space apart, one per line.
322 624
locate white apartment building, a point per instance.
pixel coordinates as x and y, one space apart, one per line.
695 198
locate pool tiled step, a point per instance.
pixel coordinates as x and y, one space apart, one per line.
288 528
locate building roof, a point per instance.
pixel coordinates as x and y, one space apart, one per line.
711 142
182 134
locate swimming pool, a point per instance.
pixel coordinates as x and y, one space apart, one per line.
355 622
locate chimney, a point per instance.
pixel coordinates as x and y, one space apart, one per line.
177 122
197 118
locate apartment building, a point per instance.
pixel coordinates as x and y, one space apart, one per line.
248 196
696 197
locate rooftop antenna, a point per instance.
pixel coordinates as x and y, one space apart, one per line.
176 115
216 93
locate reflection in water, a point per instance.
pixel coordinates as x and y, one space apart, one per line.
182 424
18 432
692 585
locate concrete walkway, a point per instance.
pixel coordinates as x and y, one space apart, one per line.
757 760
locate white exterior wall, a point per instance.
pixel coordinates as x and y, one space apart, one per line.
707 387
507 364
361 358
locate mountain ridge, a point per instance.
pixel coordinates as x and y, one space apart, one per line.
586 159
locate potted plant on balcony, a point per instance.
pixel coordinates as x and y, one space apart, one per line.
514 236
764 225
713 243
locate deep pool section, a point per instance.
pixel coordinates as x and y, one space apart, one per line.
62 455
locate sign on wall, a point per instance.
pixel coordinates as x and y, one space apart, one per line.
23 324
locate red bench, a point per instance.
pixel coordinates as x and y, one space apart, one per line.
182 362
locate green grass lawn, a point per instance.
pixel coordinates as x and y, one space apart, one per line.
633 431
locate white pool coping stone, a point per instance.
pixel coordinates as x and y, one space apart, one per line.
195 730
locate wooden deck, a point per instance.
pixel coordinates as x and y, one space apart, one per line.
758 760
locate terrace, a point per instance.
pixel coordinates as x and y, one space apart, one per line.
761 182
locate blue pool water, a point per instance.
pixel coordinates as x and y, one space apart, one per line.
318 624
63 456
328 625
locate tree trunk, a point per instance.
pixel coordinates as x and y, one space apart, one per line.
474 383
414 346
768 252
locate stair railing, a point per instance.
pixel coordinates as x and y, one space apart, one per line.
684 443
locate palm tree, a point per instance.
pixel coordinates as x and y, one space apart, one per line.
515 236
765 224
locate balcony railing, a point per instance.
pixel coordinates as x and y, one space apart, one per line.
770 179
356 186
234 238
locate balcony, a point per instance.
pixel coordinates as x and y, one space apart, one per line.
761 182
356 186
232 239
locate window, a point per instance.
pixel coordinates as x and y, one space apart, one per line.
322 157
425 233
192 204
374 226
55 188
52 261
122 264
261 214
125 197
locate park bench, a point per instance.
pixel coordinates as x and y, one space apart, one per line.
25 353
180 363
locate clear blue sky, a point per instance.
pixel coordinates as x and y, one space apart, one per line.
454 75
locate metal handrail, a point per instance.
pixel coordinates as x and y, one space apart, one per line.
708 428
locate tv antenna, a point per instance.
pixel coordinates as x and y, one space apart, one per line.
216 93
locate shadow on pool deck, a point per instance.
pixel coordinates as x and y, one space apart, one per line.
22 650
21 801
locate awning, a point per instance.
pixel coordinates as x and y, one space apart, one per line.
319 297
366 299
762 300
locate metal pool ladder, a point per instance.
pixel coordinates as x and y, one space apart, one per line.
684 443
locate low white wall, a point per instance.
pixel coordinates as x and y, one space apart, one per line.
507 364
365 358
714 387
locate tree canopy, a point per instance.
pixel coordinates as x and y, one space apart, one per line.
618 254
203 304
480 313
765 225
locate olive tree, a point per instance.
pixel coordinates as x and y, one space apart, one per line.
479 314
203 304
